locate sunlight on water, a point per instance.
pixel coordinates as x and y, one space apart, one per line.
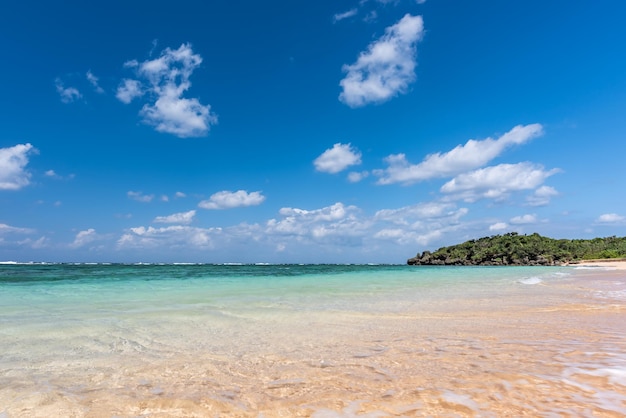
320 341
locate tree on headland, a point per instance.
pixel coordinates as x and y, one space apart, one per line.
515 249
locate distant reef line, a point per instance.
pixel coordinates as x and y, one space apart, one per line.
513 249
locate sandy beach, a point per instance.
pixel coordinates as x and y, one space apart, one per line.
370 342
619 264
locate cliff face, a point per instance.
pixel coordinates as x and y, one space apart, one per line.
521 250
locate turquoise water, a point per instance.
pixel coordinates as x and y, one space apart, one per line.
32 294
314 340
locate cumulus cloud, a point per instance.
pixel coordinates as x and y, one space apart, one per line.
172 237
611 218
498 226
93 80
417 224
129 90
387 67
13 161
177 218
228 200
338 230
337 223
403 237
140 197
462 158
357 176
524 219
542 196
409 215
497 182
337 158
68 94
341 16
84 237
165 80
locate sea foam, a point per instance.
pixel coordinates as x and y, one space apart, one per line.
531 280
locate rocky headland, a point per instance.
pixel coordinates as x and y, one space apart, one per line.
513 249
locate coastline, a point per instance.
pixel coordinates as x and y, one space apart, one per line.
618 264
183 341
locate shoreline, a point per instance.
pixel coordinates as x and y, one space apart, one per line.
394 343
618 263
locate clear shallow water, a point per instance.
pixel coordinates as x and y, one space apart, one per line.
322 341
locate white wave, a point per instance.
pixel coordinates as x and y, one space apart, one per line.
601 268
531 280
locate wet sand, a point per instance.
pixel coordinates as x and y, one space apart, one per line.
557 350
619 264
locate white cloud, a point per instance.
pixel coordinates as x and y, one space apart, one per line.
179 116
168 79
403 237
341 16
7 229
339 231
356 176
140 197
228 200
179 195
335 223
84 237
13 161
542 196
417 224
177 218
337 158
387 67
175 236
345 225
93 80
408 215
68 94
53 174
611 218
128 90
498 226
496 182
37 244
524 219
330 213
472 155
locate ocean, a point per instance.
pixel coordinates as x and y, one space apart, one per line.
200 340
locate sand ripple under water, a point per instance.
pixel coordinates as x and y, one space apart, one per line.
554 349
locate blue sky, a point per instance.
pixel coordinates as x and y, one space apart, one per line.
285 131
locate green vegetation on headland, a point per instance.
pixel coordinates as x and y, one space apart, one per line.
522 250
